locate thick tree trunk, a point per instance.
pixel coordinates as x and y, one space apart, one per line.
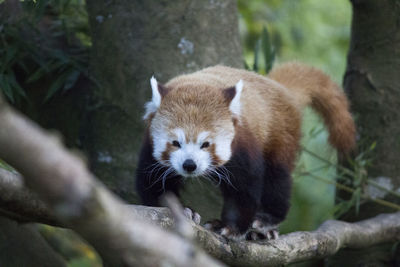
133 40
372 81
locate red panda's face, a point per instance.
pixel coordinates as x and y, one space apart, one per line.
191 150
192 129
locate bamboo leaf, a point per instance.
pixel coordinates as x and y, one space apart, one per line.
269 54
55 86
71 79
6 88
15 85
256 55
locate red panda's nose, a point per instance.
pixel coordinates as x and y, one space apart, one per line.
189 165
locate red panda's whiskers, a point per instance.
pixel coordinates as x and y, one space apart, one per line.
222 173
155 167
209 176
163 177
225 174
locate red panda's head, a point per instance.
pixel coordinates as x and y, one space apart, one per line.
192 125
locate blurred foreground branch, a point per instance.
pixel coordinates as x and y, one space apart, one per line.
81 203
21 204
293 247
120 233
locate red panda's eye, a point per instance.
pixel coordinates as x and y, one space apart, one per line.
205 145
176 143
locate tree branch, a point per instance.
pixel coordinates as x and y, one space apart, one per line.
21 204
300 246
294 247
86 206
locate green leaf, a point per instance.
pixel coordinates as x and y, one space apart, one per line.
15 85
55 86
11 51
256 54
40 72
372 147
71 79
45 69
269 53
246 66
80 262
23 66
60 55
6 88
5 166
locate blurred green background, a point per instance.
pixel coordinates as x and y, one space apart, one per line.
312 31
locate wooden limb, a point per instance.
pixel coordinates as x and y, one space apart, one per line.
300 246
294 247
80 202
21 204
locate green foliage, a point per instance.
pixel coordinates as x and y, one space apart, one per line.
68 244
4 165
265 48
354 180
47 44
312 31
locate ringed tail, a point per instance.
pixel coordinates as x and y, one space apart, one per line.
313 87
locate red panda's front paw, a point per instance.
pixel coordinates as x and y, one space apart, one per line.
192 215
262 231
232 233
226 231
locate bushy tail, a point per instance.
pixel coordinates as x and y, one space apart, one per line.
312 87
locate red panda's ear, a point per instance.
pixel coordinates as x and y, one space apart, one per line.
158 91
162 89
229 94
232 95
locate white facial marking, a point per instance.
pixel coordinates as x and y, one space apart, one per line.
234 106
180 135
155 102
190 150
160 139
223 141
202 137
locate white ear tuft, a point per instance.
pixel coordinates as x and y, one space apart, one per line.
155 102
234 106
156 98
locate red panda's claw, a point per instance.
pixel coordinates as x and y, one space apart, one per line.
226 231
262 231
192 215
231 233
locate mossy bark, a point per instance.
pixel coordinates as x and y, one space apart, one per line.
133 40
372 82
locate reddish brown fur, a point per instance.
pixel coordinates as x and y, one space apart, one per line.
215 159
317 89
165 155
194 109
271 107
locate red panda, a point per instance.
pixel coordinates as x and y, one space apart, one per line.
241 129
